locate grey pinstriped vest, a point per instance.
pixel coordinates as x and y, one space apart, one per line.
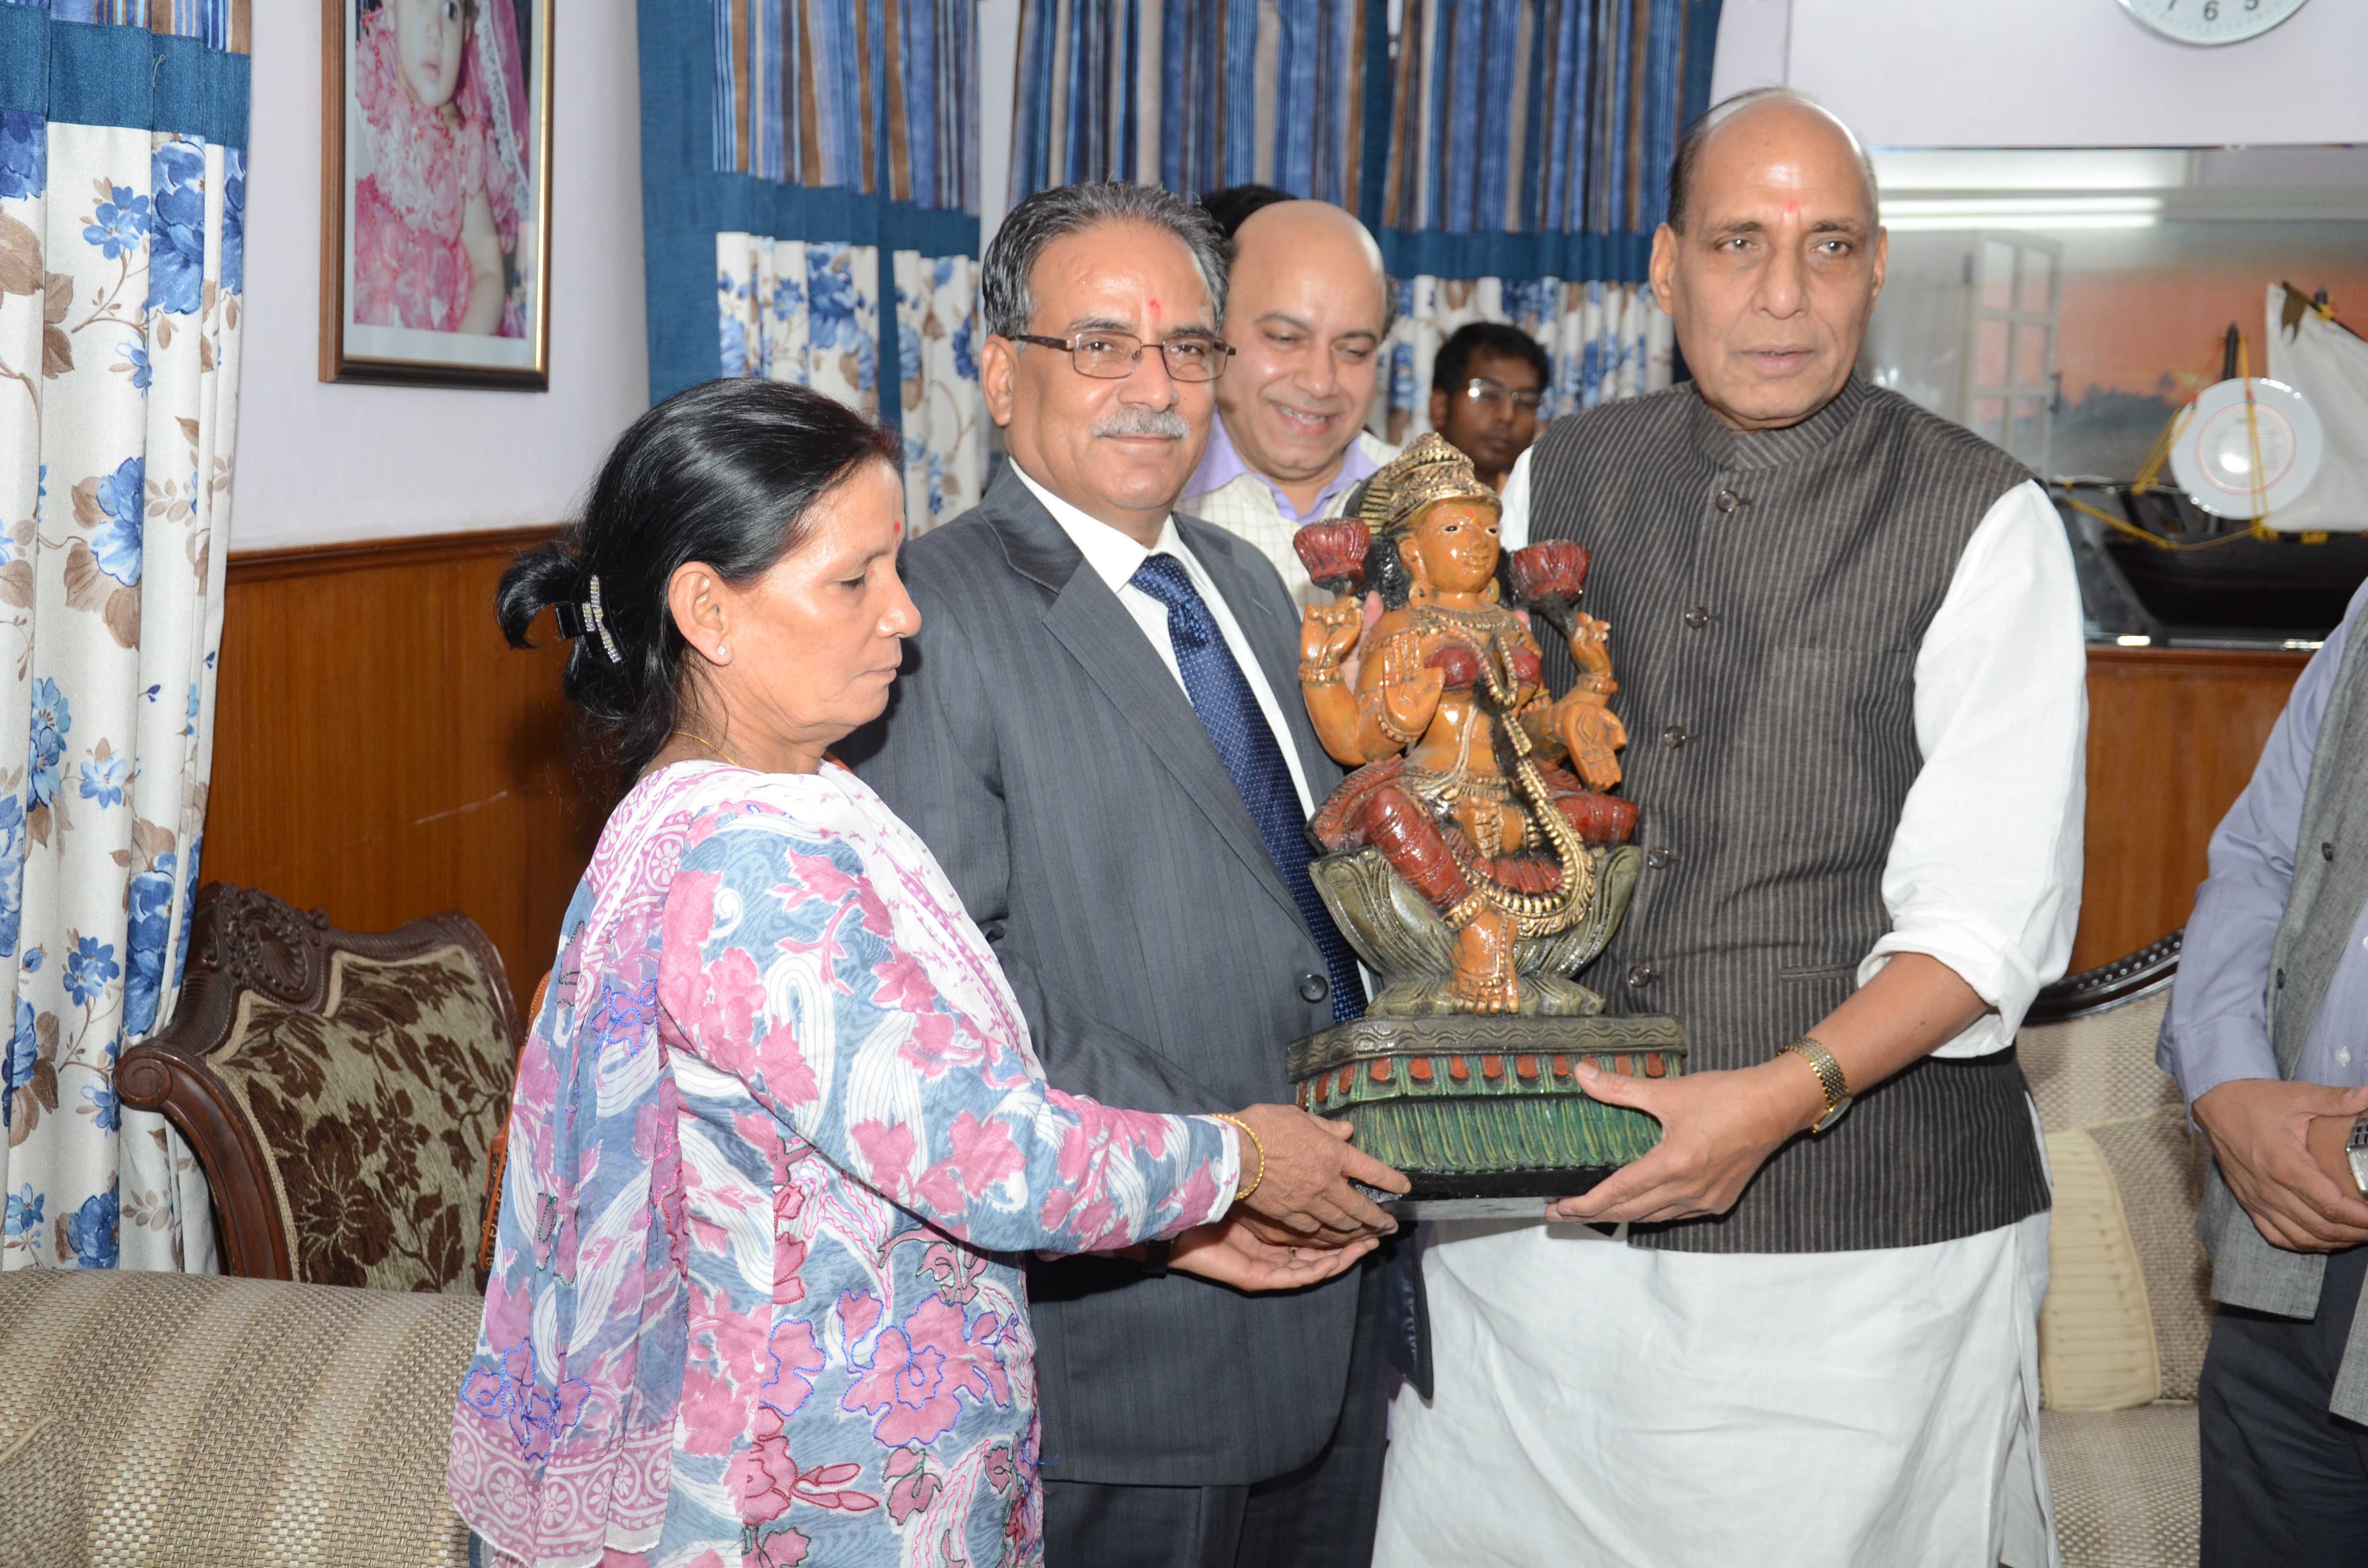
2331 883
1766 595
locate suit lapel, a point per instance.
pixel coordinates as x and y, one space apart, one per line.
1095 629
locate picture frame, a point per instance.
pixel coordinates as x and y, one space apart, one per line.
436 144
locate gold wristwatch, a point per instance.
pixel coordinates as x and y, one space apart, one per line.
1829 1078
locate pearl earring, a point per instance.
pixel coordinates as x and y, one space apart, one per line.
724 650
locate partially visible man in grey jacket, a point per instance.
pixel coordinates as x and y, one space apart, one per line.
1099 735
2267 1036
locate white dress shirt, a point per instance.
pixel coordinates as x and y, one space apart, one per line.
1984 872
1114 559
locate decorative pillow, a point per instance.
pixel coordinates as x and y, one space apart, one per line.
2159 1171
375 1116
2096 1336
213 1422
2098 1068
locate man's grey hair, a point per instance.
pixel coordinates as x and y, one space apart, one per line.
1007 300
1690 150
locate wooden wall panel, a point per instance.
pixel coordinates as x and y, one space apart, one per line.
383 753
2173 735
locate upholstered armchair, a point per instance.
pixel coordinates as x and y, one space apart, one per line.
2123 1331
341 1090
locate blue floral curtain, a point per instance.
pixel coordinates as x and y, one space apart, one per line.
122 188
787 146
1511 156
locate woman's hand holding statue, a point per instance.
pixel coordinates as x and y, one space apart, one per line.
1232 1253
1304 1197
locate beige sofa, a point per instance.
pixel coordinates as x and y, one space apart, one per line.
2121 1333
202 1422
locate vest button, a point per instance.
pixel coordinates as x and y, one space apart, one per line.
2282 980
1697 617
1641 975
1726 500
1314 988
1674 736
1659 858
2327 851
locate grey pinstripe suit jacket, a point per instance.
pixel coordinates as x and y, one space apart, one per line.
1042 750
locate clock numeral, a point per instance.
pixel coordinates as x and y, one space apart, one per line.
2211 10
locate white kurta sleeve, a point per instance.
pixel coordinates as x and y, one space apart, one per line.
1984 872
1513 529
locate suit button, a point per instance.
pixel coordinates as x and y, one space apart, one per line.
1659 858
1674 736
2282 980
1641 975
1726 500
1697 617
2327 851
1314 988
992 930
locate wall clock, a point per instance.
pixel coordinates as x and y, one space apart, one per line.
2211 21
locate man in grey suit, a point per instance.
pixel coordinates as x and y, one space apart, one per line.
2268 1037
1099 735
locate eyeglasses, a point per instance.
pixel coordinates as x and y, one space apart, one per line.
1490 393
1113 356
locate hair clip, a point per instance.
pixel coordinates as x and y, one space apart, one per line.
575 619
595 619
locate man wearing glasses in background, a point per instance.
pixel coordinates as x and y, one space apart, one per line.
1485 386
1099 732
1306 309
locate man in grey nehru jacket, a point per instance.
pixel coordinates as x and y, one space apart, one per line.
1804 1329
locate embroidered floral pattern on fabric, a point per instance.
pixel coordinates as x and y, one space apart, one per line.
343 1103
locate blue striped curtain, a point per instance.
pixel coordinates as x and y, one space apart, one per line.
1511 156
122 252
809 212
1191 94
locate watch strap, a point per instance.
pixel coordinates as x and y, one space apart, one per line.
1829 1078
2355 1152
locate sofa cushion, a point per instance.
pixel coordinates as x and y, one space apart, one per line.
215 1423
2096 1338
2158 1165
2127 1485
375 1115
2099 1067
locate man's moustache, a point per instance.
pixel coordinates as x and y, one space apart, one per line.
1164 422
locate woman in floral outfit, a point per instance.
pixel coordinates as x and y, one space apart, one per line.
779 1129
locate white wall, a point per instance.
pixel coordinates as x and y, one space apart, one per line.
322 462
2049 72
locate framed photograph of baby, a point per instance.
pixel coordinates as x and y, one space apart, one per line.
436 192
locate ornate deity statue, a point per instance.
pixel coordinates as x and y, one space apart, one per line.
1453 734
1471 869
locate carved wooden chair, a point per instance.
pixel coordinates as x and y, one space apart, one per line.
341 1090
2123 1331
